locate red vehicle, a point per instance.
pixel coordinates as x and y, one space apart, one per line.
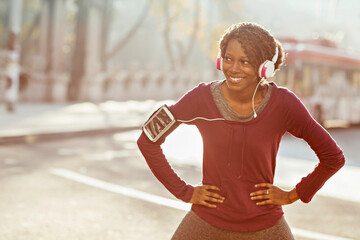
325 78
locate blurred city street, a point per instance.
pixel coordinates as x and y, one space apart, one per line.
79 78
96 185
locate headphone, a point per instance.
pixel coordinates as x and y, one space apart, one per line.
266 69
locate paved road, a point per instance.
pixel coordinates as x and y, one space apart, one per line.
38 202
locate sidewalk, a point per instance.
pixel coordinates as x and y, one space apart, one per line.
33 122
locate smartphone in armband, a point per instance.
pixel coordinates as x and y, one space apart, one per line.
159 123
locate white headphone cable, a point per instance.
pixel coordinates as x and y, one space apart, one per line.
253 97
218 119
206 119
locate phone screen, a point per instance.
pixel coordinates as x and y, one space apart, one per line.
158 124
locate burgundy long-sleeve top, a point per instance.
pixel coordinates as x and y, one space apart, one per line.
238 155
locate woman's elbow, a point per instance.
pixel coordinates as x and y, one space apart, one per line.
342 161
339 163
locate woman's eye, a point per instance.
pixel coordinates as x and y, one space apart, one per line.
246 62
227 59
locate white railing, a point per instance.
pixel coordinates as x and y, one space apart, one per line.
125 85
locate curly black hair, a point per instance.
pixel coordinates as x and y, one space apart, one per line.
258 43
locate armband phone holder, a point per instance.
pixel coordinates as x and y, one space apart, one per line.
159 123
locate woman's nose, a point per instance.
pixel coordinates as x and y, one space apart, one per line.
235 67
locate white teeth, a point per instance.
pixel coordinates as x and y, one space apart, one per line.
236 79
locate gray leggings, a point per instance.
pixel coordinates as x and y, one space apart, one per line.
193 227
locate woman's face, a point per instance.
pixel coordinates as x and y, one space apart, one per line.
240 74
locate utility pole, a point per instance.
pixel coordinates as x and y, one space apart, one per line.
12 65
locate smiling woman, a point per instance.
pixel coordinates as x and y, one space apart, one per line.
238 199
245 66
241 78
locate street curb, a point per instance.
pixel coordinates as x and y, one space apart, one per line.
40 137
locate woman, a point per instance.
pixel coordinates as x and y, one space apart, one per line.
242 120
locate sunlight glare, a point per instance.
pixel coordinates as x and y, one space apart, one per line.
184 146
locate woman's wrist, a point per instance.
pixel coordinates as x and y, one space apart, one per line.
293 196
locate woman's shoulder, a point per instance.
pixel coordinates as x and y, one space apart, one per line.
290 102
283 92
203 87
193 101
196 93
286 99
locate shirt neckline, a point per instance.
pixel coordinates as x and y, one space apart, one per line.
227 112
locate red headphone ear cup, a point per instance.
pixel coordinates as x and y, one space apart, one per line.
219 63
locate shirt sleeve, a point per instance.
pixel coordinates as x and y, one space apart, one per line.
300 123
183 109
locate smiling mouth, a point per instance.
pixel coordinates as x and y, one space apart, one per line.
236 79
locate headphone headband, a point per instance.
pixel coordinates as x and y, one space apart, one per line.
274 59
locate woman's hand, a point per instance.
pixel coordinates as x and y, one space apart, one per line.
203 196
273 195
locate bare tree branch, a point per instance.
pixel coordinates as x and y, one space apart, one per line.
131 33
168 24
185 54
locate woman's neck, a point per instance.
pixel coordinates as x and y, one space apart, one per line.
241 102
243 97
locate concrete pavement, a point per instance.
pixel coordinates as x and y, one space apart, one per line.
33 122
36 122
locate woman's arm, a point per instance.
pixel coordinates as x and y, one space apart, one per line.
300 123
156 160
185 108
162 170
